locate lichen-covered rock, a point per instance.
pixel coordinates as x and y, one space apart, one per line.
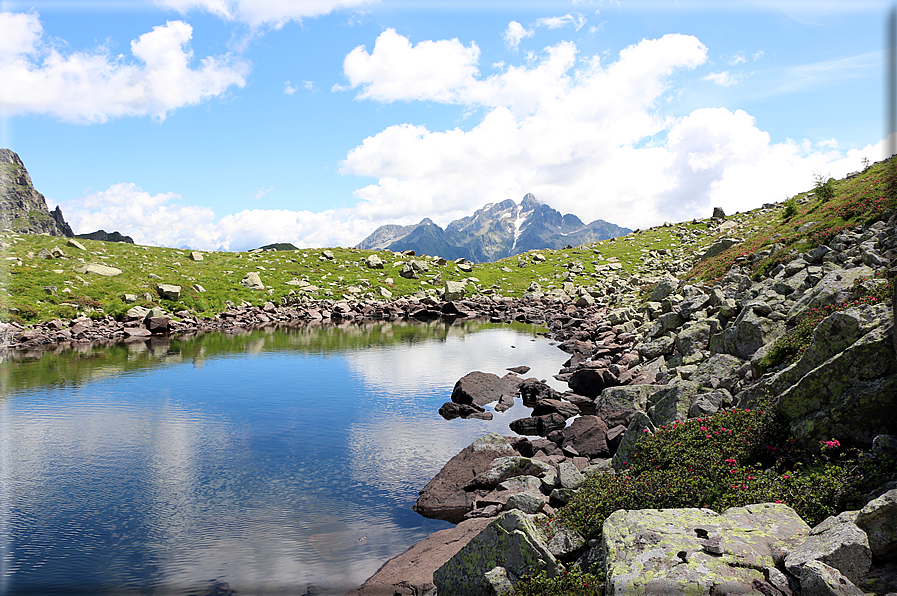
693 338
672 403
718 371
503 468
838 542
102 270
454 290
626 397
818 579
850 395
512 541
831 289
879 520
749 333
639 426
706 404
698 551
253 281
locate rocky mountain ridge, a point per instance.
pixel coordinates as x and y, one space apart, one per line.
495 231
22 208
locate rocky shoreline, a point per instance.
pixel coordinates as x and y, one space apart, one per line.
689 352
643 354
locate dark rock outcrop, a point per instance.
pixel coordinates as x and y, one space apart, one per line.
22 208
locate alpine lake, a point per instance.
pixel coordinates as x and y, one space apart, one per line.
277 461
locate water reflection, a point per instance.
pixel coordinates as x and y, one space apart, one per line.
283 462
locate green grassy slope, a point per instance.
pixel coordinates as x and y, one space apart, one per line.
24 275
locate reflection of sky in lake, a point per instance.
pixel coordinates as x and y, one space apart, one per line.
268 470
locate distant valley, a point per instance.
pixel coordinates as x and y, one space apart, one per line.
494 232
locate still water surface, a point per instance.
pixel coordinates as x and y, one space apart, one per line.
276 462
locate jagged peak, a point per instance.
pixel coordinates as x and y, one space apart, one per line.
426 221
529 202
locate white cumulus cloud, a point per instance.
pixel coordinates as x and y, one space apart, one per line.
87 87
256 13
514 34
585 137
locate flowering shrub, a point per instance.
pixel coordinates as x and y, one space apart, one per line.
731 459
569 583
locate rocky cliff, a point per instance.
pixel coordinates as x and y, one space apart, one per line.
23 209
496 231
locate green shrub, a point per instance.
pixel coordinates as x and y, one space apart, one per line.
790 209
824 187
570 583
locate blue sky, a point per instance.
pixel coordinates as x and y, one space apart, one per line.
229 124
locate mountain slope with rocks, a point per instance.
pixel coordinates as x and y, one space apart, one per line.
496 231
23 209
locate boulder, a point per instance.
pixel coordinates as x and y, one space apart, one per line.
750 332
481 388
818 579
411 573
626 397
136 313
672 402
718 371
838 543
667 285
538 425
569 475
450 410
196 256
444 496
879 520
169 292
252 281
75 244
512 541
503 468
831 289
639 426
707 404
587 435
591 381
698 551
850 395
548 406
693 339
373 262
513 486
533 391
454 290
96 269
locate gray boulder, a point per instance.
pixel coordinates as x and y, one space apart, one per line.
626 397
169 291
252 281
672 403
693 339
503 468
512 541
454 290
750 332
698 551
879 520
666 286
706 404
639 426
102 270
833 288
818 579
838 543
373 262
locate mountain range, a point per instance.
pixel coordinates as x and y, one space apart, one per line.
496 231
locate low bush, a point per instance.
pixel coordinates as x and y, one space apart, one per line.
570 583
